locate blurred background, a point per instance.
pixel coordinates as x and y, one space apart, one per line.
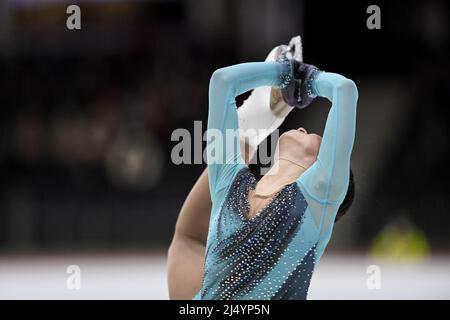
87 116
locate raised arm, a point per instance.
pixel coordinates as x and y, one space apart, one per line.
327 179
225 85
186 253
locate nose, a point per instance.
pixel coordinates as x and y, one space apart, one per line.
302 130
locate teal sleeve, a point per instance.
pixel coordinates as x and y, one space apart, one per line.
223 145
327 179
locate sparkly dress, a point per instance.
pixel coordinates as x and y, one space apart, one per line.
273 254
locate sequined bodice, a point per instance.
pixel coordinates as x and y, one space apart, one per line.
248 254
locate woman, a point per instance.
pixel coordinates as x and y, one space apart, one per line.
265 237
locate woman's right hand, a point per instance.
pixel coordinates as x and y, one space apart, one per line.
298 93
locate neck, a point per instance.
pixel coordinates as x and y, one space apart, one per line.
283 172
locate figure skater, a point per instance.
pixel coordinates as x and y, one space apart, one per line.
264 238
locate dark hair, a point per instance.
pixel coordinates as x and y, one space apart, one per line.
348 200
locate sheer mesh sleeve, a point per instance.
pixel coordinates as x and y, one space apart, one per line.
223 149
327 179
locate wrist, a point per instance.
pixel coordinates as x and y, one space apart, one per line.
310 83
286 74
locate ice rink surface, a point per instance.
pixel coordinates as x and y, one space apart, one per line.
143 276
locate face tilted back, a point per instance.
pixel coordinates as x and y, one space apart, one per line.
299 146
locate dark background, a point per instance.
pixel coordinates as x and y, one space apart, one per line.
87 115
